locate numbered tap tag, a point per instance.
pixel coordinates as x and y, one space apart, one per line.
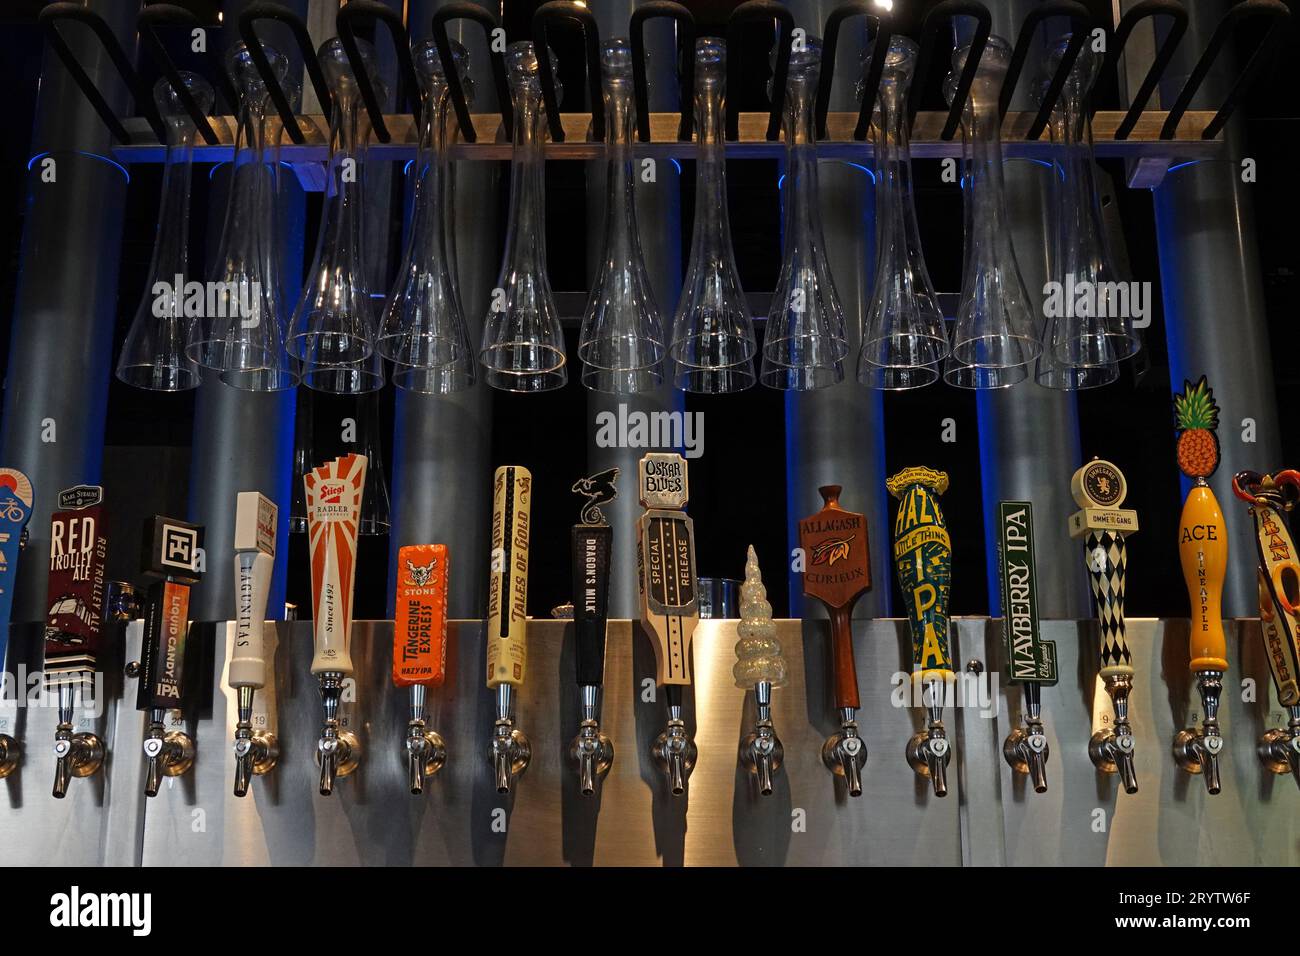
1028 656
75 596
420 612
923 560
15 510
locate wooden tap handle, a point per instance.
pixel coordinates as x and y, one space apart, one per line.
837 573
846 672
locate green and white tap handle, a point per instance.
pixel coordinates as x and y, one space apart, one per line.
1030 660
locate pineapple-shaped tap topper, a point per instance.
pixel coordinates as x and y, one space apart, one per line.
1197 416
1202 533
758 652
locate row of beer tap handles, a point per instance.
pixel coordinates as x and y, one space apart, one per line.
836 571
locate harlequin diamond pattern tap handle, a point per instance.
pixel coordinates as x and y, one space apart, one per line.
1099 488
1107 558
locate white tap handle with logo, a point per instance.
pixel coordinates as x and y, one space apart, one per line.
334 493
255 524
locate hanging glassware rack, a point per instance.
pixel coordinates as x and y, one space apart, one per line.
990 67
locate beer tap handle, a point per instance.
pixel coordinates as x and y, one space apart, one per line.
74 628
173 556
333 493
1099 488
760 665
669 600
590 551
591 545
837 572
420 650
846 672
1107 558
923 561
507 618
255 531
15 510
1203 554
1030 660
1270 498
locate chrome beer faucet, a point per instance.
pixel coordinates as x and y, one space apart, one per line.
511 750
1025 748
929 751
337 751
75 754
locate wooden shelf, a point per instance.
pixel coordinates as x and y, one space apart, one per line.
1144 142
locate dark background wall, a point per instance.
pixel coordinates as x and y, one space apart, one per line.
738 494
